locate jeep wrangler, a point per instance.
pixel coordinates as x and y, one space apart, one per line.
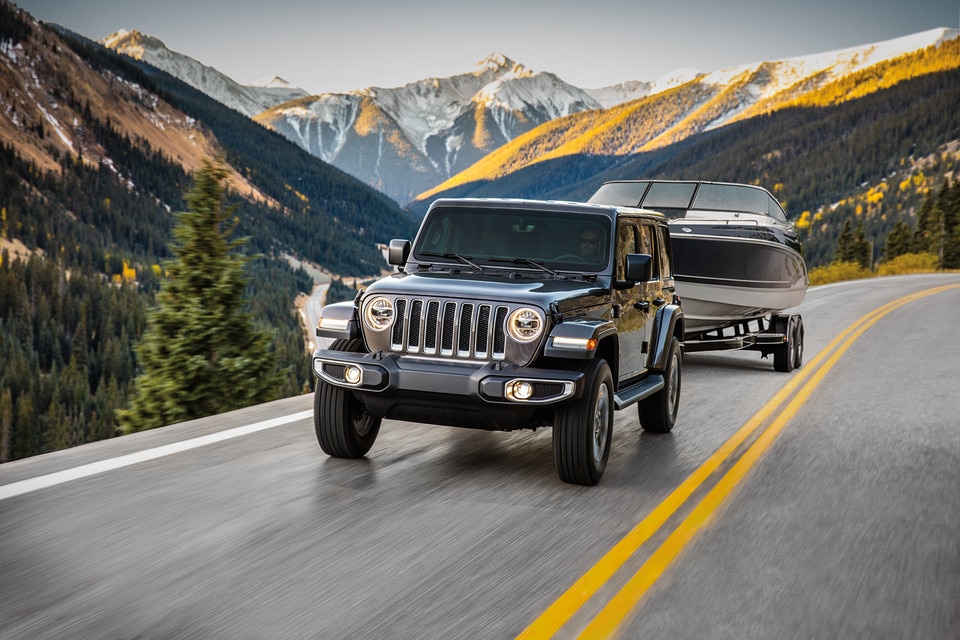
509 314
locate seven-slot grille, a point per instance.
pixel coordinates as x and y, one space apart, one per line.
448 328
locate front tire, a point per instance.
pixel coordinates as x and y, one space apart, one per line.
583 428
658 413
344 427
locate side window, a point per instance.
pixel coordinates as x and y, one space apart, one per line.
649 246
666 267
626 243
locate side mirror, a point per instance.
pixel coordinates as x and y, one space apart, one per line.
399 252
639 267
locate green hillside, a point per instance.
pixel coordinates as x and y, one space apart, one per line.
84 246
329 217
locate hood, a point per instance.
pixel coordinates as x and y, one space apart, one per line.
489 287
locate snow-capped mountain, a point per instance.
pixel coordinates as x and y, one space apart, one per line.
405 139
247 99
275 90
686 103
619 93
634 89
427 135
765 85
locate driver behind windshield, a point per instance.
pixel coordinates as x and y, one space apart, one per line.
590 244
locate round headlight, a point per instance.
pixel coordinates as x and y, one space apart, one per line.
525 324
379 314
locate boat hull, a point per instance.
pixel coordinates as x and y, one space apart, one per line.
726 274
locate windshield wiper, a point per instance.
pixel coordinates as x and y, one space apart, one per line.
524 261
459 257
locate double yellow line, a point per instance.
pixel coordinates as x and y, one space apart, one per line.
606 623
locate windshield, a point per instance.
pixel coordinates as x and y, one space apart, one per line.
734 197
489 236
673 198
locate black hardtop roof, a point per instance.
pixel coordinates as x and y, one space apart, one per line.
542 205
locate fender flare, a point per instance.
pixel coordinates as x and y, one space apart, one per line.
579 329
667 323
342 321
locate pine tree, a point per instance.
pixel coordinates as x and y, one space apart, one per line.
25 440
201 353
927 236
862 251
6 424
949 201
899 240
56 436
846 248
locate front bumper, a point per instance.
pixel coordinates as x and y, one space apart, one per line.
482 383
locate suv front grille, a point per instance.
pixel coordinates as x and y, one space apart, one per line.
448 328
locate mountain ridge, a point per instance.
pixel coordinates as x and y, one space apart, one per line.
838 156
415 141
436 126
248 99
69 98
703 103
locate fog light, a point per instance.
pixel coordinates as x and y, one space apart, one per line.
352 374
520 390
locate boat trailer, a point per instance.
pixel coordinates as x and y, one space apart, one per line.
777 334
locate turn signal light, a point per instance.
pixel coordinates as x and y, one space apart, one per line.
576 344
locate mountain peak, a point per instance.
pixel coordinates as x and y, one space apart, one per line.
498 62
133 43
271 82
248 100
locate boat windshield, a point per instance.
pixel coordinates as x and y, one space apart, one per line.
674 198
669 195
621 194
732 197
531 239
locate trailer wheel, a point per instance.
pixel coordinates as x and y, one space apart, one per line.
658 413
798 343
344 428
784 355
583 428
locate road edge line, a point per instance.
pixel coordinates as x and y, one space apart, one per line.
30 485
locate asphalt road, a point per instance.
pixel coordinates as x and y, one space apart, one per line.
838 517
310 314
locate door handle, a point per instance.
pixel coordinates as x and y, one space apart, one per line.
643 305
659 302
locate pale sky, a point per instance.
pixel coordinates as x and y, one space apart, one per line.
324 46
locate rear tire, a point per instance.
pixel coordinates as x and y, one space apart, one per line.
658 413
784 355
798 343
583 428
344 427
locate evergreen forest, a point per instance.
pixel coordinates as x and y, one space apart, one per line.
86 248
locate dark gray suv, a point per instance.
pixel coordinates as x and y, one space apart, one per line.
510 314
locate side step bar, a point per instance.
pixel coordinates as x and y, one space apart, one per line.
637 392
